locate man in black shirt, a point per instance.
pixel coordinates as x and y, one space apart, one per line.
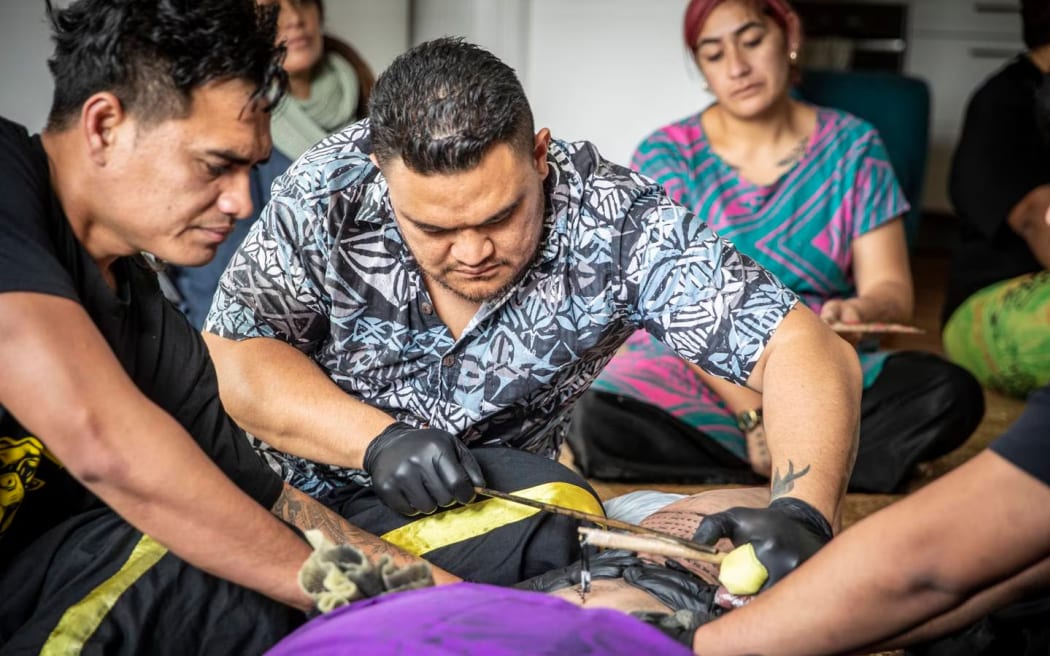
114 445
999 291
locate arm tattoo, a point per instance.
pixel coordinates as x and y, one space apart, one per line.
758 450
783 485
306 513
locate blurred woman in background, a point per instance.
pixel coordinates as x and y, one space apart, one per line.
810 194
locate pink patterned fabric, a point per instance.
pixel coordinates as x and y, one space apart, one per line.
801 228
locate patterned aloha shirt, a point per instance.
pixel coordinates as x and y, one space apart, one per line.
326 270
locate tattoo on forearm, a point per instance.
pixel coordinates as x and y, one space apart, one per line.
783 484
758 451
306 513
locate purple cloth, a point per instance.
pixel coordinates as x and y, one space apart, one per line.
474 619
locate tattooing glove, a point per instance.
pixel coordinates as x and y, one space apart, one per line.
680 626
334 575
783 535
418 470
675 587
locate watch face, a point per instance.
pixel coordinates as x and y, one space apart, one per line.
748 420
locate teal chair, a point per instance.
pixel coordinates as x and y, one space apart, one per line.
899 108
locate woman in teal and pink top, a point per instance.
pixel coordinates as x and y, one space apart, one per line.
810 194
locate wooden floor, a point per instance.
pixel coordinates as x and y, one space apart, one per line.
930 273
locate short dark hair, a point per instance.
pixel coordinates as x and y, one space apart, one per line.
443 104
1035 21
152 54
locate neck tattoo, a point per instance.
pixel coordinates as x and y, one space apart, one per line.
795 154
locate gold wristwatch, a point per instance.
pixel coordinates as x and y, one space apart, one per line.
749 420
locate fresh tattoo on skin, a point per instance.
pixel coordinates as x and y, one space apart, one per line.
306 513
785 484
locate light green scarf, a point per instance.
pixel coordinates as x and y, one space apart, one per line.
298 124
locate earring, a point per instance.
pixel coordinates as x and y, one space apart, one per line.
793 56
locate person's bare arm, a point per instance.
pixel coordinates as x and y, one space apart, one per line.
738 399
810 383
1028 220
915 561
304 512
281 396
1033 580
63 383
883 278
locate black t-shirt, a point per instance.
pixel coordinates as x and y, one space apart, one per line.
1027 442
1001 157
160 351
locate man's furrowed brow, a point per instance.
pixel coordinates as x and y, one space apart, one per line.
494 218
231 156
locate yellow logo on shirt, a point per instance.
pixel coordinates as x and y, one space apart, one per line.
19 461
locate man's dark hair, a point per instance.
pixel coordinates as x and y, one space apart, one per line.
1035 19
152 54
443 104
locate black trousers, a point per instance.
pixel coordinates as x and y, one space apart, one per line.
495 542
95 585
920 407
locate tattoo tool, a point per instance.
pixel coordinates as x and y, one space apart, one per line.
875 328
698 551
585 570
646 544
740 570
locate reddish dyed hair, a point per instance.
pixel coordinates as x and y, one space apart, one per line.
698 10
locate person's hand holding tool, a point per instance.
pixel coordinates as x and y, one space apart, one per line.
418 470
770 541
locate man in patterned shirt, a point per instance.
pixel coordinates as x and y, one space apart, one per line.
441 277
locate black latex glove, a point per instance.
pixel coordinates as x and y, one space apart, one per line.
784 534
609 564
418 470
680 626
671 584
675 587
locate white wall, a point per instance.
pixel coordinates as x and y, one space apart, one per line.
25 45
379 29
608 71
501 26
